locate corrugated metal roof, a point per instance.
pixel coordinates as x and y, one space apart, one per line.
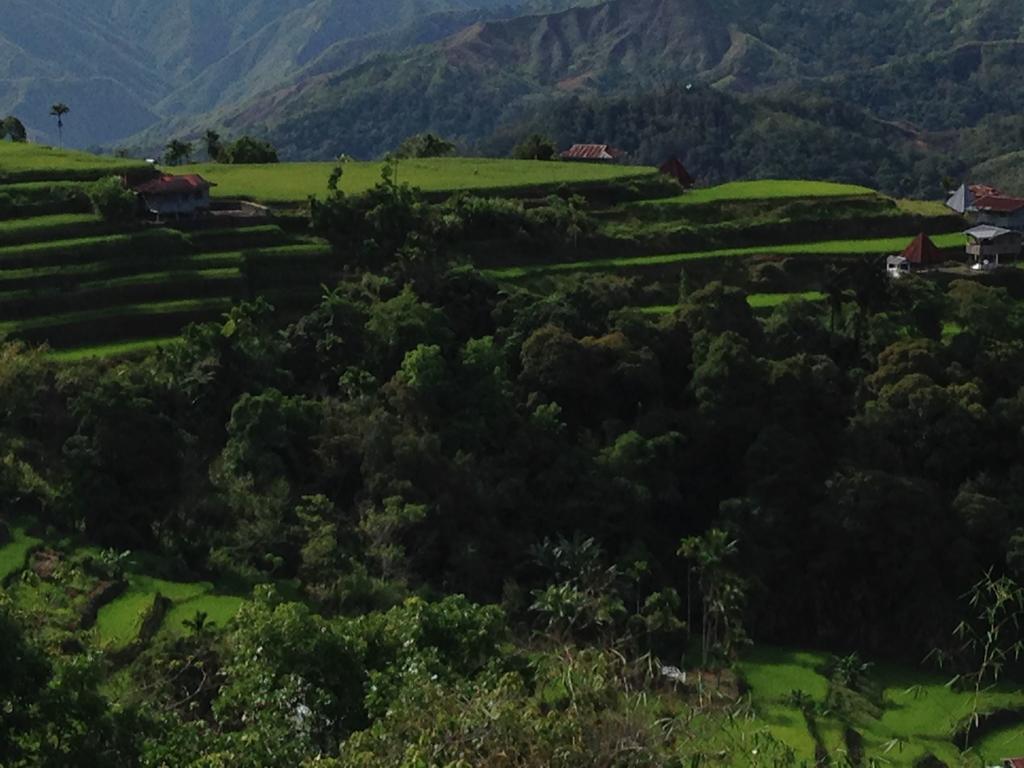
961 200
922 251
592 152
999 204
171 185
987 232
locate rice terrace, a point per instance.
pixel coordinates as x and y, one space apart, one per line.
93 291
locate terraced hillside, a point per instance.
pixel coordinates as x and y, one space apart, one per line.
84 285
776 237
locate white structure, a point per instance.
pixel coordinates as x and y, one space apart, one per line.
175 197
897 266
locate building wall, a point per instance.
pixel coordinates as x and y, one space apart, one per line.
1007 221
178 204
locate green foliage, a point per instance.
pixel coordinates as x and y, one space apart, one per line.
13 129
424 145
246 151
534 147
177 152
112 201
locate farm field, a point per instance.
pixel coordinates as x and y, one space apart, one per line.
15 552
769 189
917 712
296 182
828 248
35 162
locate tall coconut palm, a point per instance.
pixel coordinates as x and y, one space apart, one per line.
58 110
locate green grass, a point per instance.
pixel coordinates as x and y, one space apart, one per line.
156 308
115 349
13 556
769 300
1005 742
920 712
219 610
769 189
296 182
40 223
929 208
118 623
36 162
828 248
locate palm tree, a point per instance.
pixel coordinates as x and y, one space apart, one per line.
214 147
58 110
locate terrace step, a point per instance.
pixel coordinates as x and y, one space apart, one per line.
134 321
23 305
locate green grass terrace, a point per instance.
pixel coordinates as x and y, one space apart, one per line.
827 248
284 183
767 189
37 162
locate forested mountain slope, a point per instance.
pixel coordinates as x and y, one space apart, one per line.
122 64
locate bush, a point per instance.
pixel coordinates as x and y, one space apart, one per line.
250 151
534 147
111 200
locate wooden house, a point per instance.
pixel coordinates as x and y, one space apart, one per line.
175 197
989 246
593 153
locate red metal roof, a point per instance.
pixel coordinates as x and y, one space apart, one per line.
923 252
168 184
1013 762
984 190
592 152
999 204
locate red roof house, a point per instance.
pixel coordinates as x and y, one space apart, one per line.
1013 762
179 197
593 153
674 168
923 252
168 184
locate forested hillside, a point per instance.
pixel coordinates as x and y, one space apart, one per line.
461 510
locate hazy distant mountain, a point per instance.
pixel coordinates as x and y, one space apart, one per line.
124 65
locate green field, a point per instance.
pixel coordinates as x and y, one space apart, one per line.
769 300
828 248
296 182
919 711
14 554
118 623
117 349
769 189
35 162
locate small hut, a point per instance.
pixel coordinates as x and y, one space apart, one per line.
673 167
989 246
923 252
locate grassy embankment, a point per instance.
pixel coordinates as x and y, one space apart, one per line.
296 182
913 713
864 247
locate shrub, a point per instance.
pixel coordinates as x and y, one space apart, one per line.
534 147
111 200
250 151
